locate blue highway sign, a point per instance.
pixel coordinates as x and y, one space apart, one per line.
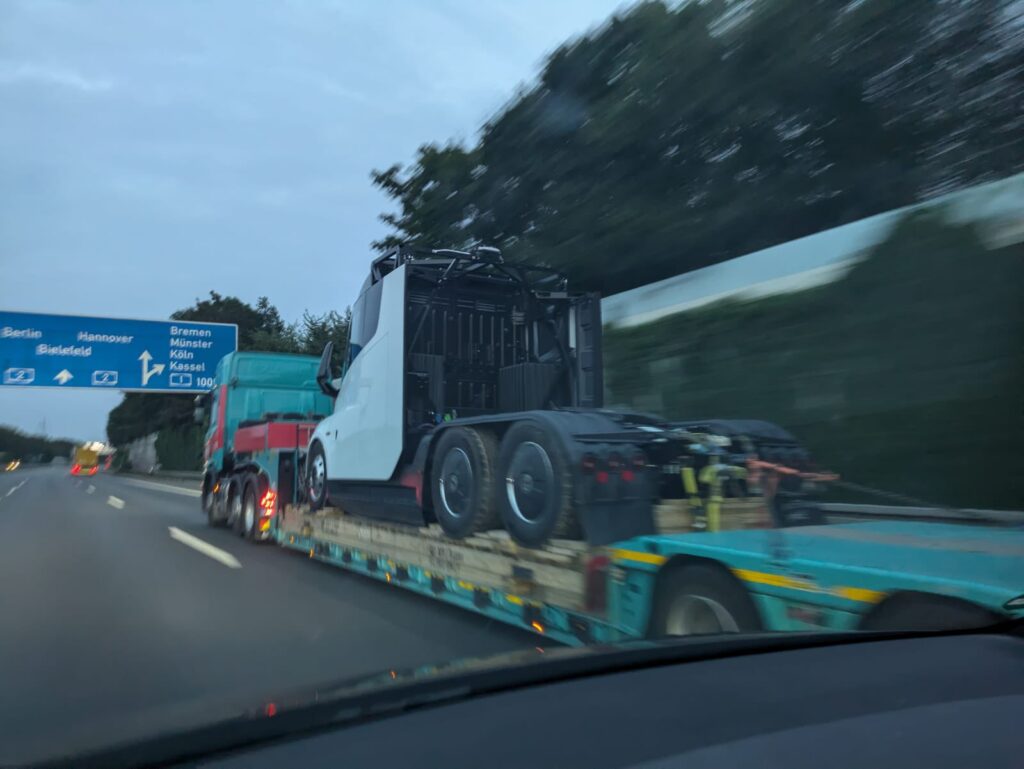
112 353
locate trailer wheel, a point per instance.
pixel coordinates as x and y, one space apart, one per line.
316 477
462 482
233 504
699 600
209 502
250 512
927 612
535 501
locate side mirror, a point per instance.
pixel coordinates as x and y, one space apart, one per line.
199 410
324 373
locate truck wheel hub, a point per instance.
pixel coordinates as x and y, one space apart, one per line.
319 471
456 482
697 615
529 479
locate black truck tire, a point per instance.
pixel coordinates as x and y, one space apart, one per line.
927 612
250 510
701 599
209 502
316 478
462 482
233 504
535 498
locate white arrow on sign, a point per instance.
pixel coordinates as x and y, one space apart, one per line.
64 376
147 371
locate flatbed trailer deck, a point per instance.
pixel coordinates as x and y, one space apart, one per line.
829 577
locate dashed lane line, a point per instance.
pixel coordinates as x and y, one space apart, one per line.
115 502
204 547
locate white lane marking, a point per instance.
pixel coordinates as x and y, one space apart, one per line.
91 489
14 488
164 487
204 547
115 502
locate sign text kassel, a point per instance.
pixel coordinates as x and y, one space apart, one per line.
115 353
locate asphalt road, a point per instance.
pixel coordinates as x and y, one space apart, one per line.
112 628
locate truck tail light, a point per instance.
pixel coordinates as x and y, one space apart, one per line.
588 464
637 463
75 469
268 501
92 470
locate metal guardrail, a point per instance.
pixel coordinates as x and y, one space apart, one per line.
191 475
938 514
179 475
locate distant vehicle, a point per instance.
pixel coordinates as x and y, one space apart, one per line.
263 409
13 465
85 461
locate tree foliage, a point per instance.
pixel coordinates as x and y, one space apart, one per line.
260 328
905 375
676 137
15 444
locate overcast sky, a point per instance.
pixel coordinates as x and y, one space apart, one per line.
150 152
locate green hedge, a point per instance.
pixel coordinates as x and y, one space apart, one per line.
905 375
180 448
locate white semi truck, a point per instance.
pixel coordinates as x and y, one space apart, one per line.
472 395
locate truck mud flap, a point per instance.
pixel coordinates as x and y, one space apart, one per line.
610 521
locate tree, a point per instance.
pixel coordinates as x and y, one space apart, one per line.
318 330
15 444
677 137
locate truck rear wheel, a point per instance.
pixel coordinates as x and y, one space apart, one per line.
316 477
250 511
700 600
535 501
233 504
207 501
462 482
927 612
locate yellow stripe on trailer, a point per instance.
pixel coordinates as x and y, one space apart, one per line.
859 594
638 556
775 580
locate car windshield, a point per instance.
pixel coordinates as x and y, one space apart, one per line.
647 320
